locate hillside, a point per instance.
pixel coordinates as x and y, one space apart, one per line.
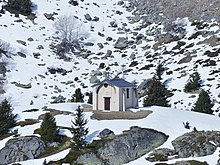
113 38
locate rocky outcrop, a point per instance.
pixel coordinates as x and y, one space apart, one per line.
198 143
124 148
192 144
172 9
21 149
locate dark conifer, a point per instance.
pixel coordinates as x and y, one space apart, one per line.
77 96
79 130
203 104
157 94
48 128
19 7
7 119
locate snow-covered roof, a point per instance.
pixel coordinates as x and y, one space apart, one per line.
116 82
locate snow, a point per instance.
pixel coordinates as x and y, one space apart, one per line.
44 85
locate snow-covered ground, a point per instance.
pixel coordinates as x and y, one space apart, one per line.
167 120
45 85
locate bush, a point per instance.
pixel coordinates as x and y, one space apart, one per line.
203 104
19 7
7 119
48 128
193 82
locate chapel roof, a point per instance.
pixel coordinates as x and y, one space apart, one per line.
116 82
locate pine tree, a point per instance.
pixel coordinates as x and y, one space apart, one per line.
157 94
193 82
7 119
79 130
19 7
48 128
203 104
77 96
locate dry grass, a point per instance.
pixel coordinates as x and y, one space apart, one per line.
128 115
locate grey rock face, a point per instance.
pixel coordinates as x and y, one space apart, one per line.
105 132
21 149
121 43
88 17
198 143
126 147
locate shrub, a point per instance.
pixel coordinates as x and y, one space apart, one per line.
203 104
19 7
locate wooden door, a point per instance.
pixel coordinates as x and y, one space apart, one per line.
107 103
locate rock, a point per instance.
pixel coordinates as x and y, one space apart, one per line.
30 39
197 143
96 19
121 43
21 42
108 53
94 80
25 86
100 45
73 2
59 99
3 69
21 54
113 24
124 148
89 44
21 149
40 47
50 16
109 39
106 132
36 55
88 17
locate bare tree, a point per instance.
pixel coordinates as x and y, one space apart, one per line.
69 28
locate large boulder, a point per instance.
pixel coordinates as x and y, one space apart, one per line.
124 148
197 143
21 149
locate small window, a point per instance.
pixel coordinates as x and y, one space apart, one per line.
127 92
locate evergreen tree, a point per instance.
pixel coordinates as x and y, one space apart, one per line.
77 96
79 130
19 7
203 104
48 128
7 119
193 82
90 98
157 94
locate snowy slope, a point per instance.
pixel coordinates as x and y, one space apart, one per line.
167 120
45 85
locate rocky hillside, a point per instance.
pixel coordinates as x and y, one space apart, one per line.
132 37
